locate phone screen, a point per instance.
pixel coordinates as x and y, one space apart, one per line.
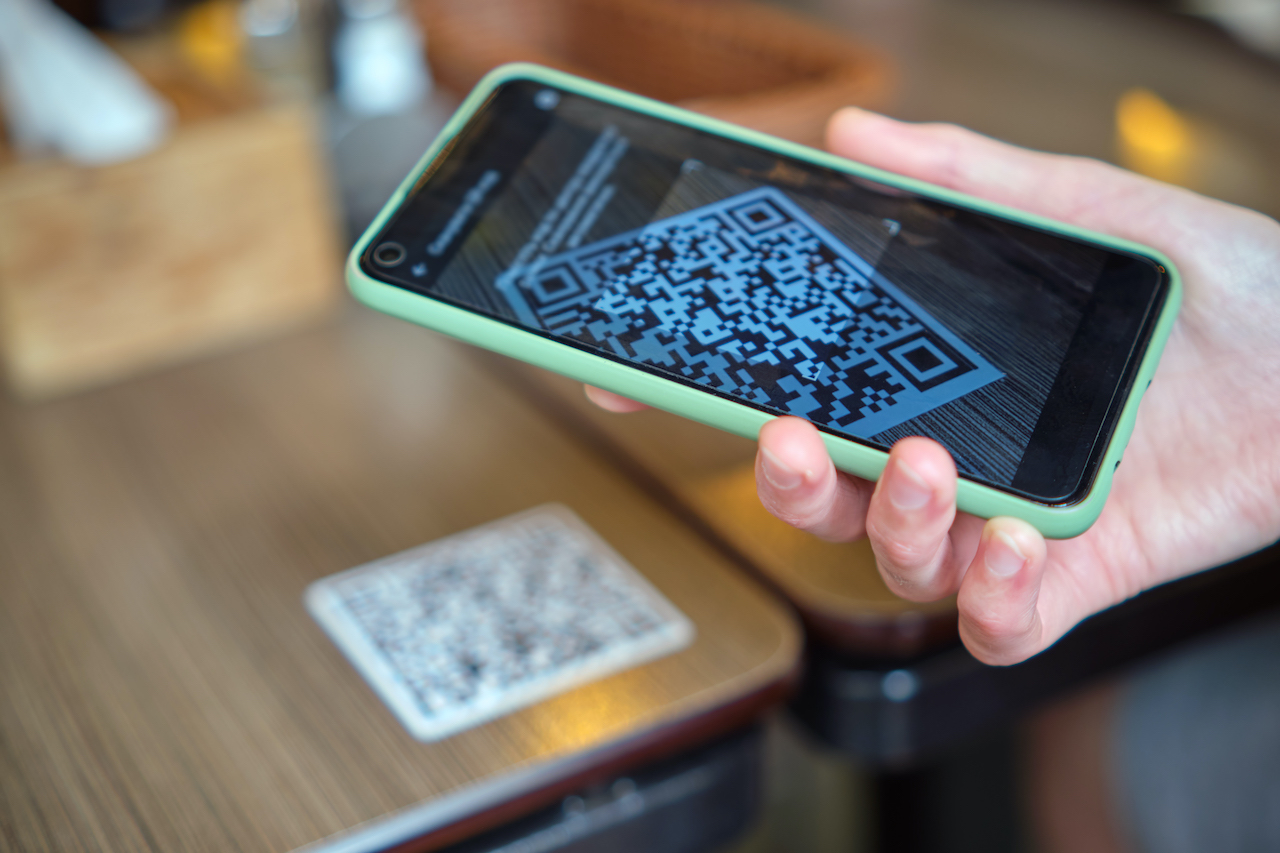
873 312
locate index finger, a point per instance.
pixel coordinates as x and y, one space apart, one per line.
612 402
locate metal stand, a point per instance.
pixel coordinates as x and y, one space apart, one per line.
690 804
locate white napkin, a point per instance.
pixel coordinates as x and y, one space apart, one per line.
64 89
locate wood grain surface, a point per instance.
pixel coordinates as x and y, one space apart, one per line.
108 271
162 687
835 587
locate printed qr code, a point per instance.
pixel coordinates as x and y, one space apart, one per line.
461 630
753 297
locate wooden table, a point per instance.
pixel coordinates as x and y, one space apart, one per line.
161 685
835 588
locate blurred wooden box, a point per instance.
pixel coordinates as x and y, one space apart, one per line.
223 234
757 65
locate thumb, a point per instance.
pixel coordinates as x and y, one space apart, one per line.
1084 192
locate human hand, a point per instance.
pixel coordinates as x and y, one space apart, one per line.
1200 483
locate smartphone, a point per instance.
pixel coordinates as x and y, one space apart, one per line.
732 277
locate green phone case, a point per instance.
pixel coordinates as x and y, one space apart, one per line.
1053 521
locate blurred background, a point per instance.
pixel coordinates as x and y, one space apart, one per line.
256 138
193 187
260 136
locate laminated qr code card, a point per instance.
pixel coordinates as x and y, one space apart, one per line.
459 631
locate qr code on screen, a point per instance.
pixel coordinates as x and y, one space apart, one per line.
464 629
753 297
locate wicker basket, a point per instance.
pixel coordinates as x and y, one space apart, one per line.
751 64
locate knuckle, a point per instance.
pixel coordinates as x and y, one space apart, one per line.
998 638
994 626
799 517
819 515
910 566
902 555
914 583
996 655
907 587
947 130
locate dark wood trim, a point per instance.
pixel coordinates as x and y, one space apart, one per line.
653 745
890 639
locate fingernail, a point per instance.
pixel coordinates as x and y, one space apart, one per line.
907 490
852 113
778 473
1003 558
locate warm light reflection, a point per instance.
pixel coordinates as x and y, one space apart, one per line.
210 37
822 574
1154 138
